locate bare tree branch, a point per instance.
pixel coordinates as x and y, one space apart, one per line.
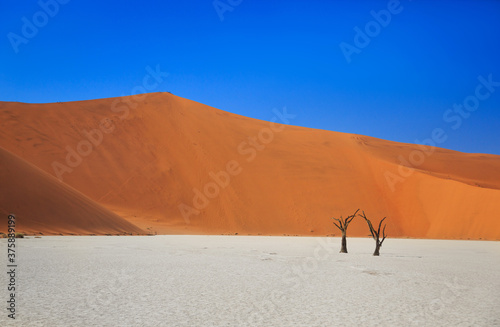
383 235
376 233
342 225
337 225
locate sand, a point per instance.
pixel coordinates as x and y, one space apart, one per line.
44 204
253 281
143 157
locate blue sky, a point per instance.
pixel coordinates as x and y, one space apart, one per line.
271 54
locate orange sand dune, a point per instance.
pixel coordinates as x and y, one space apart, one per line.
44 204
147 158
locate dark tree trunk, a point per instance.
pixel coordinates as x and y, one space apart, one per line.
343 249
377 250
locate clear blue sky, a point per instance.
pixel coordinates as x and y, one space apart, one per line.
270 54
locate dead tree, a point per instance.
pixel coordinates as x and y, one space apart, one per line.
342 225
376 233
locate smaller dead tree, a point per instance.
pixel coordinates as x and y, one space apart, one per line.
376 233
342 225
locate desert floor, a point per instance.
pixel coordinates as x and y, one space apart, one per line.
252 281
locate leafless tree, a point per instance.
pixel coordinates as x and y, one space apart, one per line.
376 233
342 225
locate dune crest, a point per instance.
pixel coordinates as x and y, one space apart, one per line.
175 166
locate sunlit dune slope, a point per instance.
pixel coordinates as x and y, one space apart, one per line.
42 204
147 158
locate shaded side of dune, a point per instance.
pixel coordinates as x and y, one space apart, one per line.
42 204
